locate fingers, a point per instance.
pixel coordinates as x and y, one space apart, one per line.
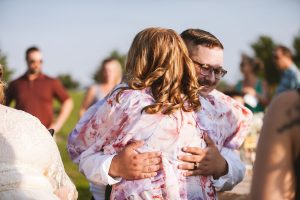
186 166
200 171
149 155
197 172
135 144
151 168
192 158
147 162
152 161
193 150
141 176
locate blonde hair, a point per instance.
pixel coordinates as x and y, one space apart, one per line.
158 59
100 72
2 86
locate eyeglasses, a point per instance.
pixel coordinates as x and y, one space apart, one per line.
206 70
35 61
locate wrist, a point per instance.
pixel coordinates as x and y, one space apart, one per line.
223 170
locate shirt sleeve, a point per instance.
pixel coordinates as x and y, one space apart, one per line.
103 131
59 91
236 171
97 175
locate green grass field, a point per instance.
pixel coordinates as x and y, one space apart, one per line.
61 138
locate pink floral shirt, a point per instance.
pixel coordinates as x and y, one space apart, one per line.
225 120
108 126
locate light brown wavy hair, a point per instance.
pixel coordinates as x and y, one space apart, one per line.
158 59
2 86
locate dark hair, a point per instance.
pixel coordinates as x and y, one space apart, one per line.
2 86
285 51
256 64
29 50
201 37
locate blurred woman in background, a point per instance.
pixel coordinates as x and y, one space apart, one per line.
254 89
108 76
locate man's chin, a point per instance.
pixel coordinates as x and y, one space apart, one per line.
205 90
33 72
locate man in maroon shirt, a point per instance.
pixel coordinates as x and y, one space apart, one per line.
34 92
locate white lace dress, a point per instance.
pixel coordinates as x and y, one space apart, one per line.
30 163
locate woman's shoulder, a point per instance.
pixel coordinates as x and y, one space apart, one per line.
284 112
18 118
17 114
285 99
131 96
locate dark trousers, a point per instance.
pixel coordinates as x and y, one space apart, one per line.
107 192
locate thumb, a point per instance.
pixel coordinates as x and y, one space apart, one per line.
208 140
135 144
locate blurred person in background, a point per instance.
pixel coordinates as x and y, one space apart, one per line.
34 93
277 166
254 89
236 95
110 74
30 163
291 74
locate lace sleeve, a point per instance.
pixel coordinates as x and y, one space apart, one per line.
61 183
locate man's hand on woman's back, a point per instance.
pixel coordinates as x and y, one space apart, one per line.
132 165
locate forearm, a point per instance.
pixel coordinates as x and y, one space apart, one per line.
65 111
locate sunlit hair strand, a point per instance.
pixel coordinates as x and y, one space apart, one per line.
158 59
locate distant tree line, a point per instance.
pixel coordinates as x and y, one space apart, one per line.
262 47
7 72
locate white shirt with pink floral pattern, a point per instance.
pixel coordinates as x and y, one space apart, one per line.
108 126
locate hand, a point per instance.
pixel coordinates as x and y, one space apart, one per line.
211 162
131 165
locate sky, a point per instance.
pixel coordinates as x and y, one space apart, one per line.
75 36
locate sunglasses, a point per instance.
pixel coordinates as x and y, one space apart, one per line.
35 61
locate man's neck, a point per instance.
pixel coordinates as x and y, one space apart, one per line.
32 77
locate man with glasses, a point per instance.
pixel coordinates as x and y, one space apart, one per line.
223 120
291 74
34 92
220 116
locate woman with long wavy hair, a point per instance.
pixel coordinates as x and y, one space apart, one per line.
155 104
